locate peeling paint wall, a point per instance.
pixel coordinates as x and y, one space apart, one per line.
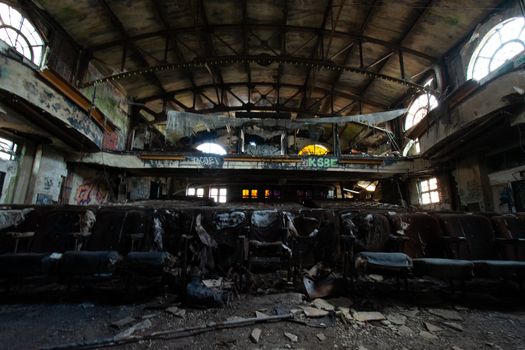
51 172
21 80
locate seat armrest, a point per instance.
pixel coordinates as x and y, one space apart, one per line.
399 241
450 239
79 234
15 235
510 240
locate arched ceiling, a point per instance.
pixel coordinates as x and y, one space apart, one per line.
310 57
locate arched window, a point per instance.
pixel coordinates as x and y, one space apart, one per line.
419 108
211 148
313 150
501 43
19 33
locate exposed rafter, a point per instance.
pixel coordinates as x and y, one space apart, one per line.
315 50
421 11
349 48
228 86
235 28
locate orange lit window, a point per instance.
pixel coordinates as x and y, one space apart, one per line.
245 193
254 193
267 194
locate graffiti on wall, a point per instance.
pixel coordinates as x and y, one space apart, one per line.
208 161
91 191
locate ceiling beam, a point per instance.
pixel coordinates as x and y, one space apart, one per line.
315 50
159 13
261 59
369 15
421 11
228 86
236 27
115 21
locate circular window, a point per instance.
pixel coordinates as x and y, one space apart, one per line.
419 108
501 43
212 148
20 34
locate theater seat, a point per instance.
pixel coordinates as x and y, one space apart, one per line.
148 262
27 264
444 268
506 269
86 263
379 262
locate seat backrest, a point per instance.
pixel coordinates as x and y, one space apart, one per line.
107 230
509 226
137 221
53 233
373 232
477 230
423 232
266 226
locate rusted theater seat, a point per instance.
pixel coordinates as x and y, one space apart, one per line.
511 229
267 242
426 247
378 250
477 243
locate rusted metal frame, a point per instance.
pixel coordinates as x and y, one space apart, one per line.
345 107
283 51
314 52
210 50
225 43
333 26
207 98
236 27
369 15
120 27
225 60
405 34
170 37
245 39
228 89
319 100
253 84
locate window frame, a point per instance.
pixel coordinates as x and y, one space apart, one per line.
430 187
430 104
495 31
32 43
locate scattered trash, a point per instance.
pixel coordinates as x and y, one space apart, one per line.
136 327
428 336
198 294
314 312
323 304
368 316
446 314
321 336
122 322
255 335
432 328
259 314
455 326
396 319
293 338
176 311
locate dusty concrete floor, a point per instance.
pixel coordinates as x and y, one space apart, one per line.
490 316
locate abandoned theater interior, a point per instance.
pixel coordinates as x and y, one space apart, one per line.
262 174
